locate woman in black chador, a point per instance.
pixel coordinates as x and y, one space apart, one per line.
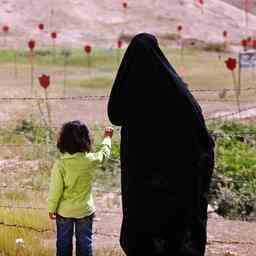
167 160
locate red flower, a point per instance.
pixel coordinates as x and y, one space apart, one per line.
125 5
6 29
88 49
179 28
249 41
201 2
31 44
244 42
254 43
231 63
119 43
44 81
54 35
225 33
41 26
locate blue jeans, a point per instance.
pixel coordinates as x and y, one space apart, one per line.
83 233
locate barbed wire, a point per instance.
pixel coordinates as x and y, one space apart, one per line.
26 145
217 134
208 116
105 97
44 230
26 227
32 208
230 114
223 89
110 235
71 98
213 241
23 207
94 128
113 235
225 100
7 188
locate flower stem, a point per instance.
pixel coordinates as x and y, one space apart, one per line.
31 71
237 91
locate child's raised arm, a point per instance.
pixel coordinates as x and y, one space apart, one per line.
105 150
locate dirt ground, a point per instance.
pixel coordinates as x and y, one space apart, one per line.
225 237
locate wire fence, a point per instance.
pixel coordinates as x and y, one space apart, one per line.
105 97
116 236
223 114
218 114
96 231
214 115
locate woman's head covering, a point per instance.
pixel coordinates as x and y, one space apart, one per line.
148 89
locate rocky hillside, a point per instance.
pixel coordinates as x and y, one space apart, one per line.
102 21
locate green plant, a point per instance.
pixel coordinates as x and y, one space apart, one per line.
92 82
233 188
101 58
32 131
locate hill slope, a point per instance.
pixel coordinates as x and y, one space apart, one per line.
240 4
102 21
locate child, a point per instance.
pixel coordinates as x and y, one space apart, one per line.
70 199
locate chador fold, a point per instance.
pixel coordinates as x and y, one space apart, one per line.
167 159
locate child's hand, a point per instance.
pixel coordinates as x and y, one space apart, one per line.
109 132
52 215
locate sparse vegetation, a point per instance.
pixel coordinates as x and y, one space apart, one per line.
216 47
232 193
24 142
100 58
92 82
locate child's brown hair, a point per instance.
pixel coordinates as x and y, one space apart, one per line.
74 137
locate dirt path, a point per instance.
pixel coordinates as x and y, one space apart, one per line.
231 236
225 237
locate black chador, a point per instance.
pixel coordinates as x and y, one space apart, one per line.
167 160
